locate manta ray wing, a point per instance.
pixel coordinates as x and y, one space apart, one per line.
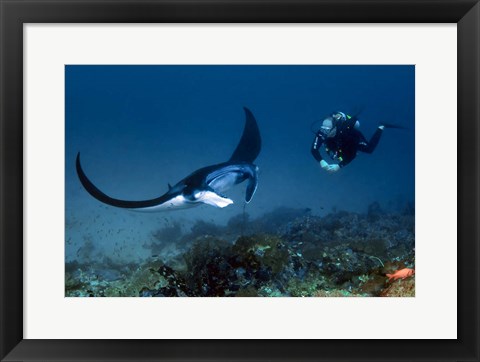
250 144
203 185
251 187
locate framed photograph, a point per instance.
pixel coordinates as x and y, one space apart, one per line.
248 181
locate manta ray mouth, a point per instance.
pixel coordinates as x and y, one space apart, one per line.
212 198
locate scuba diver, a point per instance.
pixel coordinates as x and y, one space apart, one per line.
342 139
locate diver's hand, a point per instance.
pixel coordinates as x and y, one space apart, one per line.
333 168
329 168
381 127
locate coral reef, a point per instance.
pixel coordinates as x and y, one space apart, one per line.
286 252
400 288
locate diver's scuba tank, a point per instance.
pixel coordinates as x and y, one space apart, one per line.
344 122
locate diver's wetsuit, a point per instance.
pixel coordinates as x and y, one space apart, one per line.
344 145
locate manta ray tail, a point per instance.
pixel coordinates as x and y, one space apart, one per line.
250 144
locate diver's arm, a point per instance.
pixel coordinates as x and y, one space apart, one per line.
369 147
317 143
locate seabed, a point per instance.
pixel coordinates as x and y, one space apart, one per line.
285 253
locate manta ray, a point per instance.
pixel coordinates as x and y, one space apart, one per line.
203 186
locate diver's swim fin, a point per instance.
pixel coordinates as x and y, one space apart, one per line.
394 126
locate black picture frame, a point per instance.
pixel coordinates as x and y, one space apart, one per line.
15 13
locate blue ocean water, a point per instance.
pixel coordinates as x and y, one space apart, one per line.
139 128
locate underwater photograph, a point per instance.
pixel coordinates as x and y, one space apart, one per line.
239 180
